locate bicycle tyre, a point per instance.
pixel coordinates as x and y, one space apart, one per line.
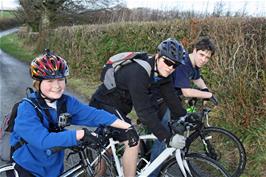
198 164
223 146
7 168
110 170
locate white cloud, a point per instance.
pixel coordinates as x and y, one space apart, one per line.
8 4
253 7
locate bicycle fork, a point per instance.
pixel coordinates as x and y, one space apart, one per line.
182 163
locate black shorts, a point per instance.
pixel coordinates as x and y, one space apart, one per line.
117 133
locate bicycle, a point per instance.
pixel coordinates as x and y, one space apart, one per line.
83 167
217 143
89 166
190 164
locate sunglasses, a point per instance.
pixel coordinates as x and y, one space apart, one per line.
170 63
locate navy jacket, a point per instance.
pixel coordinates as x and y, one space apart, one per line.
183 75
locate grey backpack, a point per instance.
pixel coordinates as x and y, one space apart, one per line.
119 60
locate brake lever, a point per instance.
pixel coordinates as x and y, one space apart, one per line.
71 153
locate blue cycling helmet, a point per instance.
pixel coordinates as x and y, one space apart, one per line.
173 50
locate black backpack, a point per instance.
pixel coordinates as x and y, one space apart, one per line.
119 60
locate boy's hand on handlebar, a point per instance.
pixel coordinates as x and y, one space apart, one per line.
214 100
90 138
132 136
176 141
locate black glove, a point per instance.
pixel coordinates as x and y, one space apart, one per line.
205 90
132 136
90 139
178 126
214 100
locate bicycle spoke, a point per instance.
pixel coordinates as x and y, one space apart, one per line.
198 165
223 147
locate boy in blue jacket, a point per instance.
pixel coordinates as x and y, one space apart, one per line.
49 73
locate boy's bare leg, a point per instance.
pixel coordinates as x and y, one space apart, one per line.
130 160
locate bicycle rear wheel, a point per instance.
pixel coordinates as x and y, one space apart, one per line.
198 164
223 146
8 168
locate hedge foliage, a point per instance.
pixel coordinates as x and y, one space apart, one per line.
236 74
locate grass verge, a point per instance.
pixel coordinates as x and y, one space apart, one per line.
12 45
6 14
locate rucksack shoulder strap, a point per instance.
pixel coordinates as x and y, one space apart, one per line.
63 108
29 91
34 103
144 64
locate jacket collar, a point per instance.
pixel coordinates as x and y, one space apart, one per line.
42 102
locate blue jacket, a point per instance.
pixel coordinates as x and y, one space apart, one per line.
32 156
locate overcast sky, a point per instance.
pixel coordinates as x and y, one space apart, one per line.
253 7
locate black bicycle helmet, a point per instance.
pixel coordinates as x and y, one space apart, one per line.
173 50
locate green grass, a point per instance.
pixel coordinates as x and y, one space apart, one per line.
79 86
6 14
12 45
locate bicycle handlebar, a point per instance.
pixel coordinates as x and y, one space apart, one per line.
191 121
81 146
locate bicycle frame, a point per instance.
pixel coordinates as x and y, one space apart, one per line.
80 168
150 167
10 166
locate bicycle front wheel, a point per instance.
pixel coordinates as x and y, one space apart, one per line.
8 170
222 146
102 165
199 165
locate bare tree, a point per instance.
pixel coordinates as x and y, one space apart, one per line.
218 9
30 13
46 14
50 9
